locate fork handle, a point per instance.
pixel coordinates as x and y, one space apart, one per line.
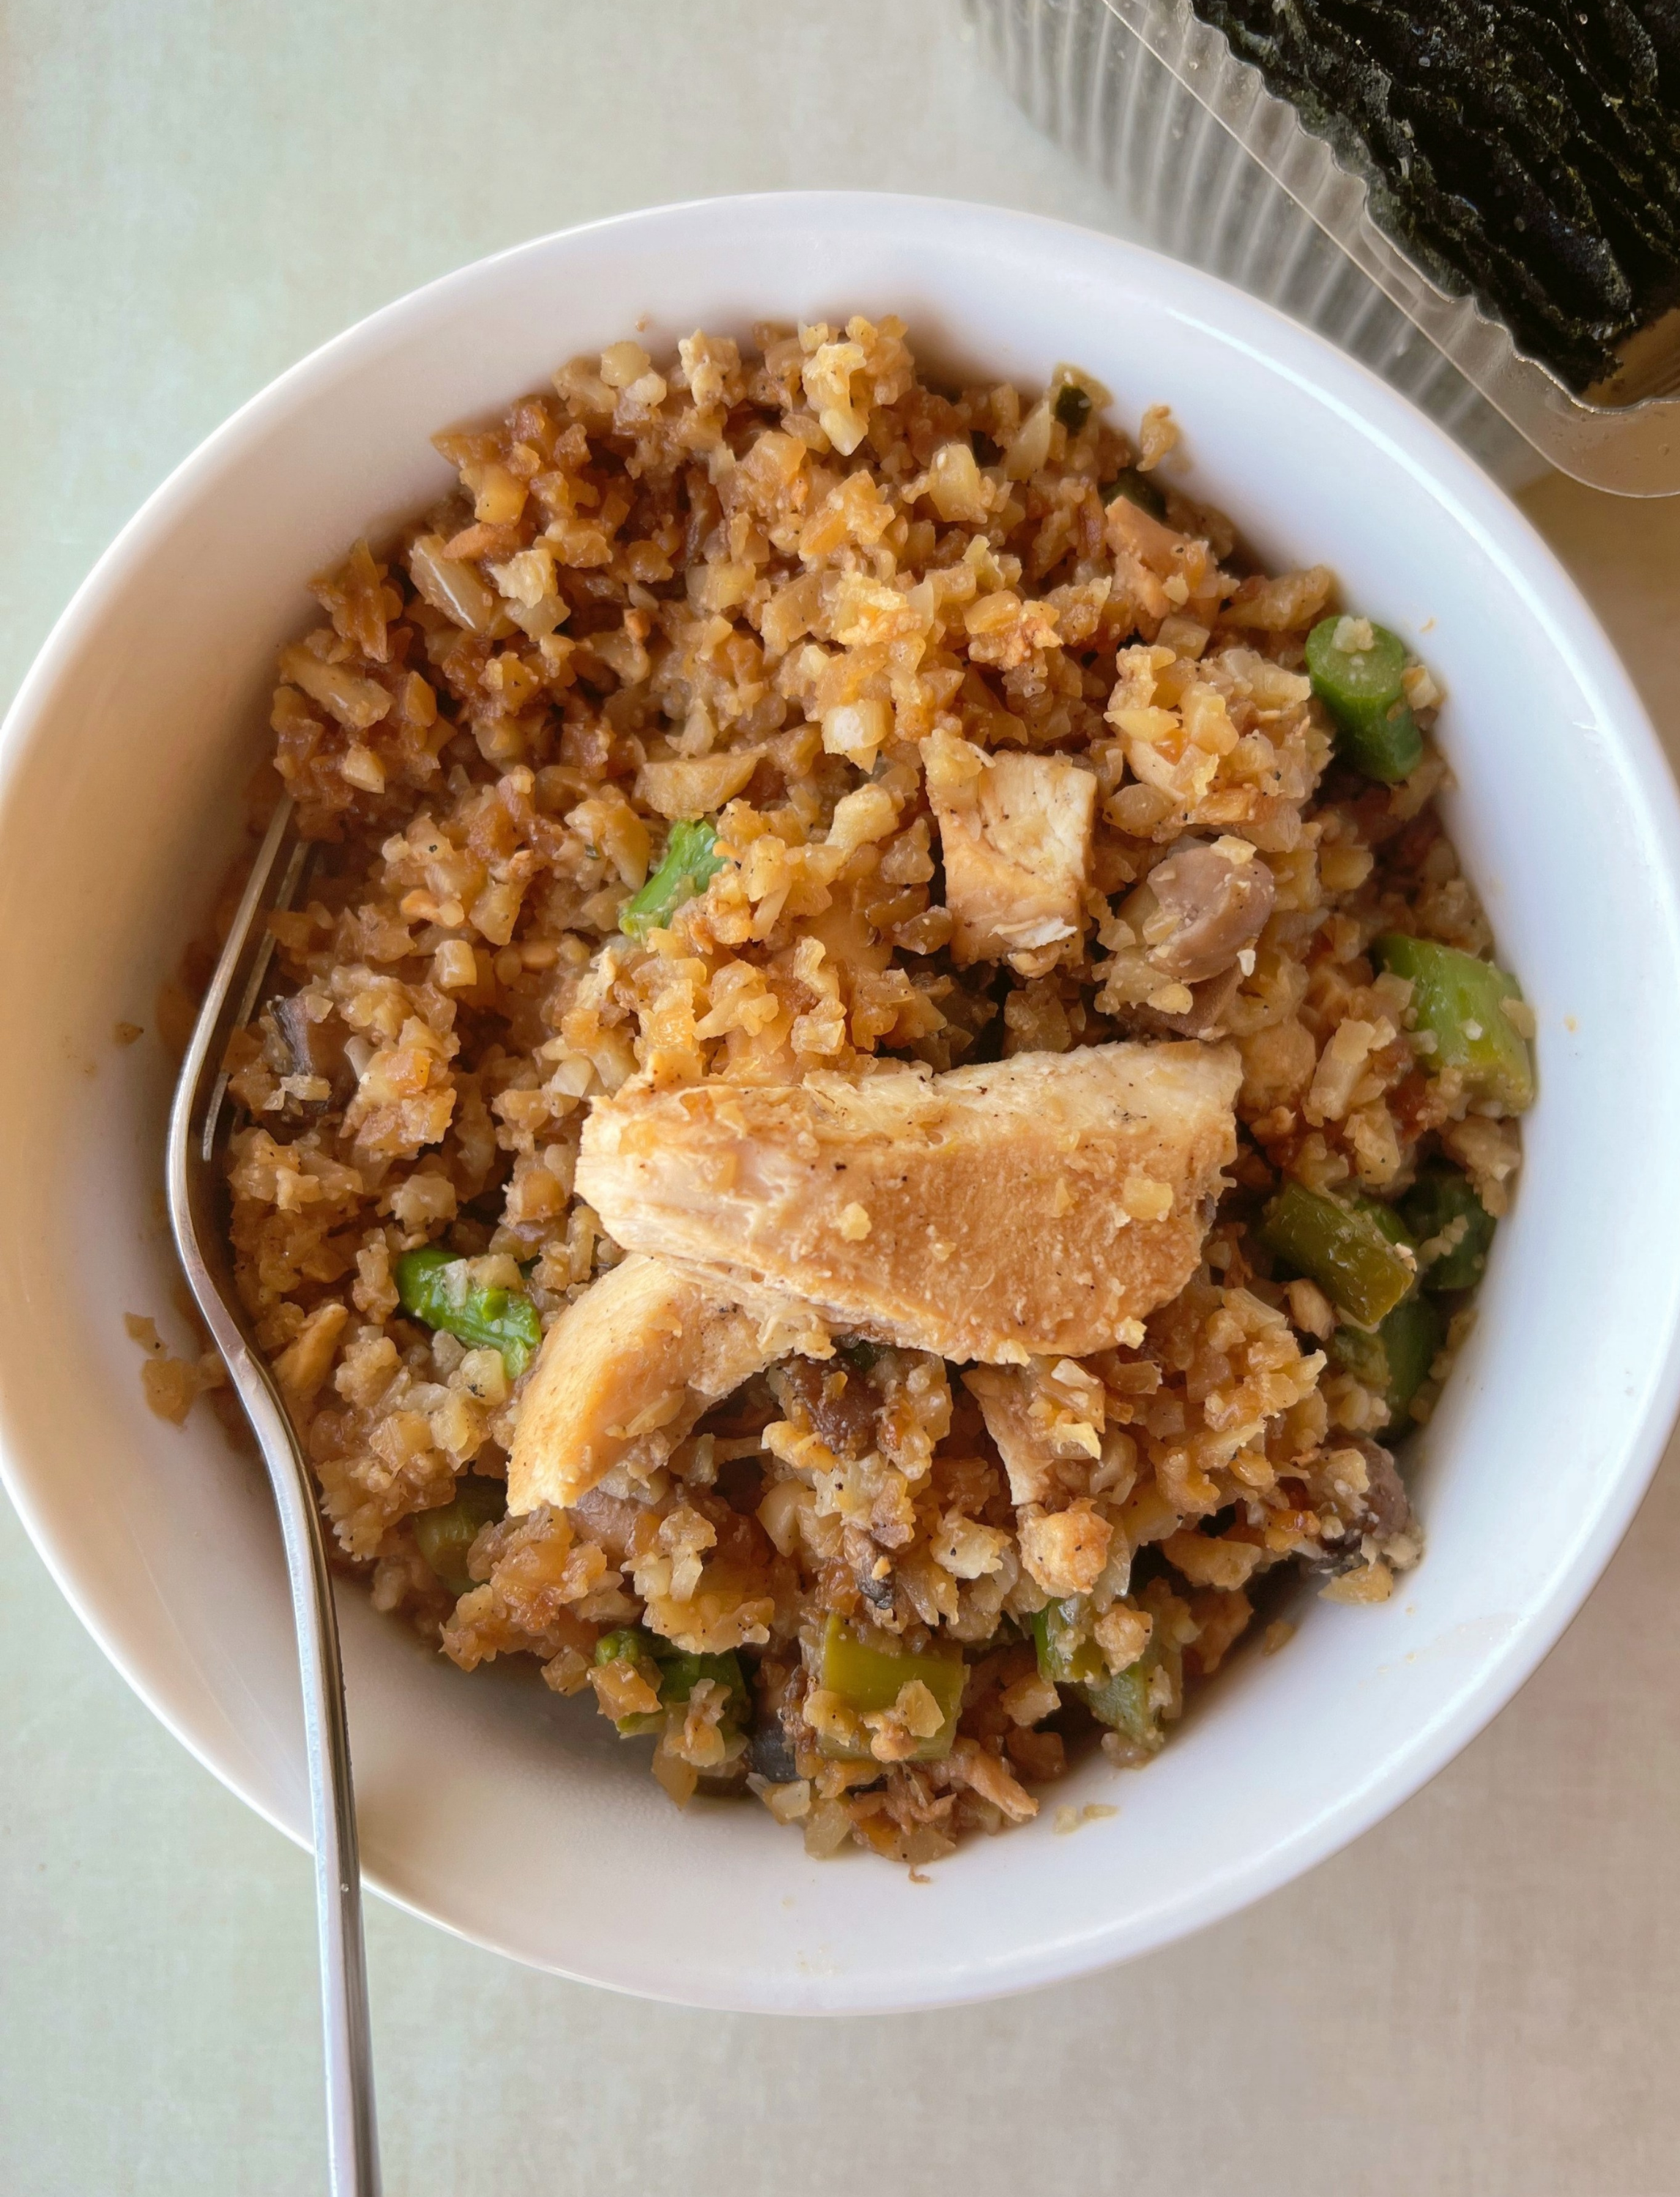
192 1175
352 2125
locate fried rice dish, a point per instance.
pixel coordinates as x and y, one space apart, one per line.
886 1099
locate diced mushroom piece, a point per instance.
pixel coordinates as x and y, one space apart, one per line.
1015 840
841 1402
1204 1016
1382 1512
1195 911
316 1050
627 1370
1191 921
1036 1206
1386 1509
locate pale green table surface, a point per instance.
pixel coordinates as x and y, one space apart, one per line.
1482 1995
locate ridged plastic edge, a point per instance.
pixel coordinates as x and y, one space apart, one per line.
1632 449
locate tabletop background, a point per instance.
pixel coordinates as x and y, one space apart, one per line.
1483 1995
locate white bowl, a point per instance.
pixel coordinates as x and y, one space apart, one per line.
487 1804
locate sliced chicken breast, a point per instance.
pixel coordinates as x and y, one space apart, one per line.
627 1370
1034 1207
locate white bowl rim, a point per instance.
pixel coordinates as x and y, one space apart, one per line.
1506 535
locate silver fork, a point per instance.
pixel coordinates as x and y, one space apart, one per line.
199 1124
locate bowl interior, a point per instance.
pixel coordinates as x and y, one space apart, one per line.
486 1803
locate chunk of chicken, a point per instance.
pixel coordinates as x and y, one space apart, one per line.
627 1370
1045 1461
1015 834
1037 1206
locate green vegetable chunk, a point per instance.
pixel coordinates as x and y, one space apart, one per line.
1452 1227
1126 1701
1363 690
1460 1001
1137 488
689 866
1068 1655
679 1672
1352 1250
870 1679
673 1673
436 1289
1122 1701
445 1535
629 1644
1395 1359
1072 406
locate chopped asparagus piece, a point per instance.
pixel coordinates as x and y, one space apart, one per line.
689 864
679 1672
1068 1655
1355 1252
1130 1701
1363 689
1459 1001
1072 406
1137 488
870 1679
446 1534
673 1673
1452 1227
1122 1702
630 1643
435 1288
1395 1359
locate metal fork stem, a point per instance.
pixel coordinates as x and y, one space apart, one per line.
194 1121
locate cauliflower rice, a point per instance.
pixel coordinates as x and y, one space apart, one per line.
934 682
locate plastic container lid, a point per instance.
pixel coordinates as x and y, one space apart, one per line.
1631 447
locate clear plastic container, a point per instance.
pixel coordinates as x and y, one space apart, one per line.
1214 169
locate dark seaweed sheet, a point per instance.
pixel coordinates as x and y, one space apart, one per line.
1526 149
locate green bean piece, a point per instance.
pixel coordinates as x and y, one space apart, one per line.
1137 488
1459 1001
445 1535
870 1679
1068 1655
689 864
1453 1227
1072 406
1364 693
437 1289
1394 1359
1354 1251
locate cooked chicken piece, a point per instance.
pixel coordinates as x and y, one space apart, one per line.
1015 837
1037 1206
627 1370
1043 1463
